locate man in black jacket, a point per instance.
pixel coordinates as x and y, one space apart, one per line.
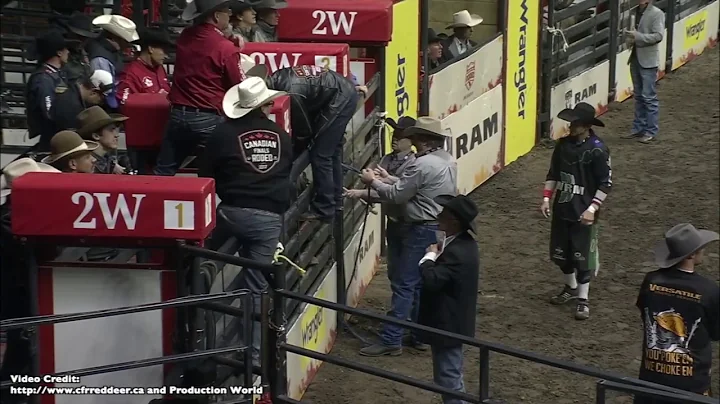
250 158
323 103
448 298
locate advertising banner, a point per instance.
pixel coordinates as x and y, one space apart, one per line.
623 80
278 55
315 329
694 33
362 258
477 132
591 86
458 84
401 63
521 78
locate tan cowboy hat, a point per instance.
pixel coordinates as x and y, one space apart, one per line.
251 94
94 119
118 25
66 143
681 242
426 125
463 19
18 168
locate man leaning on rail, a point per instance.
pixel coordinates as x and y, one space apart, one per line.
433 173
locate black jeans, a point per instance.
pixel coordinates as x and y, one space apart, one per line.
326 162
187 129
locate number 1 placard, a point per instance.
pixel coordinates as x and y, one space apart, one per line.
179 215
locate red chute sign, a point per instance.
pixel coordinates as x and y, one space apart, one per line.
278 55
113 206
280 113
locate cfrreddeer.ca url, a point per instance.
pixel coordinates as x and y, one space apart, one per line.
114 390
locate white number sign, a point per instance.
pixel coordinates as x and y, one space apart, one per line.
110 215
209 207
179 215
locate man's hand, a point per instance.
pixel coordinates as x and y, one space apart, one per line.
362 89
353 193
587 218
381 172
629 37
237 40
118 169
433 248
367 176
545 208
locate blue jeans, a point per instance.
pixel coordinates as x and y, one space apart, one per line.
447 370
406 280
647 106
186 131
258 233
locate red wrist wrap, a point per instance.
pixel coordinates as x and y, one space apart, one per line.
547 193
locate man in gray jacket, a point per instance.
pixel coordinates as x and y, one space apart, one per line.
433 173
644 39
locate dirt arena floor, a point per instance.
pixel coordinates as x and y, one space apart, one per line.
656 186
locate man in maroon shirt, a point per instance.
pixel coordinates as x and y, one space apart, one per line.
207 64
146 74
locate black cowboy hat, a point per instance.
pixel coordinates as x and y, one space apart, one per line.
464 210
154 37
48 44
432 36
582 113
271 4
241 6
402 123
201 8
681 242
81 24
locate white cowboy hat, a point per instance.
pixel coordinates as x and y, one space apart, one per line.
251 94
118 25
246 62
18 168
465 19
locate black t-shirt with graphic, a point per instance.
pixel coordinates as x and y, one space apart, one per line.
680 313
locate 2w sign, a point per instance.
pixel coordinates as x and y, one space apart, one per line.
98 205
335 21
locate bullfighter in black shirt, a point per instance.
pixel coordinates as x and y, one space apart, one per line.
680 310
250 158
581 174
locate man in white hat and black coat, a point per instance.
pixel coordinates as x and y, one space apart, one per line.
250 157
433 173
459 42
680 310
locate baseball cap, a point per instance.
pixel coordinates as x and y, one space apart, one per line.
103 81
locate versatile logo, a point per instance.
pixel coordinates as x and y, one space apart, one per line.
568 188
469 75
261 149
309 71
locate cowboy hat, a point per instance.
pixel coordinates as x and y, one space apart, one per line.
198 8
402 123
82 25
68 143
18 168
681 242
154 37
251 94
432 36
583 113
258 71
463 19
118 25
425 125
49 44
94 119
247 63
462 208
271 4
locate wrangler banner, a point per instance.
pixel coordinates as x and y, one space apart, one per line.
401 63
521 78
694 33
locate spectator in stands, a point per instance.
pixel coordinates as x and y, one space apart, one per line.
69 153
95 124
244 23
146 74
434 50
43 85
323 103
644 61
250 157
106 51
448 299
433 173
85 93
459 42
206 65
681 314
79 28
15 292
268 18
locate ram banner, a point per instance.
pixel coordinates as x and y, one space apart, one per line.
401 63
590 86
477 132
460 83
521 78
694 33
362 257
623 80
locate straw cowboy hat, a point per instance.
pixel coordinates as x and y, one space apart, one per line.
18 168
94 119
118 25
198 8
68 143
425 125
681 242
463 19
242 98
583 113
462 208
